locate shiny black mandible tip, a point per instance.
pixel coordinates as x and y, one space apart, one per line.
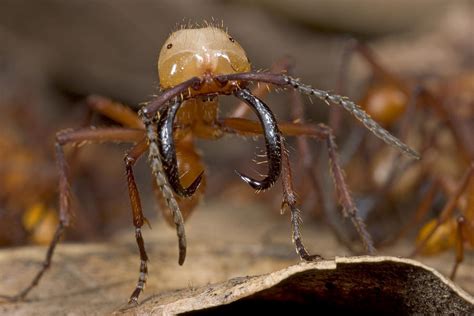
167 150
272 140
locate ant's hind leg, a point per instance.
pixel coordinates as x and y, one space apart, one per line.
65 214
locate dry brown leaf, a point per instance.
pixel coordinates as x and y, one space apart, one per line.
387 285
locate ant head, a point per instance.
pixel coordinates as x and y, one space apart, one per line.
199 52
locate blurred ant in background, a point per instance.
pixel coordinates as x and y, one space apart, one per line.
436 116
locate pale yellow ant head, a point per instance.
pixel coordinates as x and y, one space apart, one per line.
196 52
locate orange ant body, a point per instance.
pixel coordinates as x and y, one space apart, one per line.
195 67
446 119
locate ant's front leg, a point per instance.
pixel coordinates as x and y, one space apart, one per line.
310 163
138 218
245 127
289 201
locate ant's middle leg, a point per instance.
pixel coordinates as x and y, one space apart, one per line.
289 201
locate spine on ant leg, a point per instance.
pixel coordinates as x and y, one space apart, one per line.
162 183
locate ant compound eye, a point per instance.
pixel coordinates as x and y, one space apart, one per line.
169 46
231 39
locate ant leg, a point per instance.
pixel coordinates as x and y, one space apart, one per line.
115 111
248 128
138 218
282 65
309 162
357 112
423 95
148 115
64 219
73 137
127 117
148 112
162 183
289 200
287 81
323 133
448 209
459 246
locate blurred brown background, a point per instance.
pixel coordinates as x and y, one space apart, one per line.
55 53
110 47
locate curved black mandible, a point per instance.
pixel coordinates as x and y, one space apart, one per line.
168 150
272 140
